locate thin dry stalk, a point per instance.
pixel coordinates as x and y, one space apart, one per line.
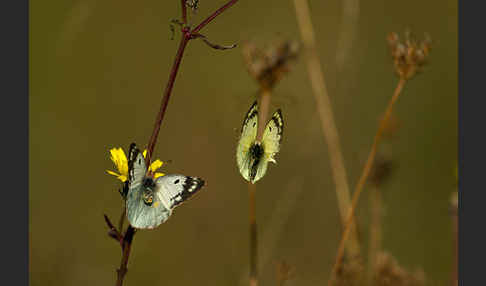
275 225
264 106
349 23
253 235
324 108
375 231
364 177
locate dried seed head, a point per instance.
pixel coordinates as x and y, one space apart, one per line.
410 55
285 272
389 272
268 66
193 4
350 272
382 170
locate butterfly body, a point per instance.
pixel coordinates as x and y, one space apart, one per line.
253 156
150 201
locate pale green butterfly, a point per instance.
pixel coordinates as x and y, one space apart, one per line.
149 201
252 156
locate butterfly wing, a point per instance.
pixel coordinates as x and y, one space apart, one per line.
172 190
143 216
139 214
248 136
136 167
272 136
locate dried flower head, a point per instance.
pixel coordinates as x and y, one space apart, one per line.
268 66
285 272
408 56
389 272
382 170
350 273
193 4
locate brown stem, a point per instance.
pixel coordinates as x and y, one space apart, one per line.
127 243
184 11
364 177
375 231
253 235
168 91
324 108
187 35
264 106
122 217
212 16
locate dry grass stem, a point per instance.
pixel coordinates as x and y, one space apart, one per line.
349 22
264 106
253 235
408 59
324 108
375 231
364 176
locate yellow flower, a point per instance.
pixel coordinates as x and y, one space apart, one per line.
117 155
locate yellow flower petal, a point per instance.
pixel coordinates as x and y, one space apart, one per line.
155 165
144 153
117 155
120 160
158 175
122 178
112 173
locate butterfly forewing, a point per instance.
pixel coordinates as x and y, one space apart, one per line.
136 167
248 136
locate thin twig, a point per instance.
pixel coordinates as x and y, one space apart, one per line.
127 243
184 11
265 96
364 177
324 108
212 16
375 231
253 235
264 106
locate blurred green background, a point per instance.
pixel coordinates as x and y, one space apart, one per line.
97 69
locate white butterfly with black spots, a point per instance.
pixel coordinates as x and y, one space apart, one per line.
149 201
253 156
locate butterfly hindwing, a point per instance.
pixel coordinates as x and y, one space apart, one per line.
272 136
142 215
175 189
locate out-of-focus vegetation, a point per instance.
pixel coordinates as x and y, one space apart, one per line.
97 70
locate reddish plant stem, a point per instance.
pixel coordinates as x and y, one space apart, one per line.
212 16
187 35
127 243
168 91
184 11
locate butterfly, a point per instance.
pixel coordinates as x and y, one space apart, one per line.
149 201
253 156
